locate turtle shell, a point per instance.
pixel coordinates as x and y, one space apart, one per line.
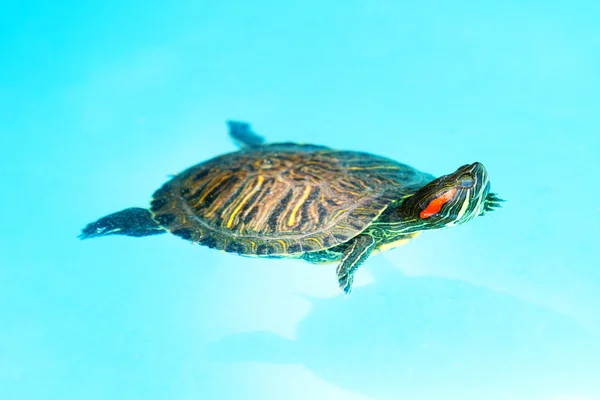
281 199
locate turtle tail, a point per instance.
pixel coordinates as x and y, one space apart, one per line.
130 222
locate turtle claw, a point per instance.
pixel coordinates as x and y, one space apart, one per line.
345 283
492 202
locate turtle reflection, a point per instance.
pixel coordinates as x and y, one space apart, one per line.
429 337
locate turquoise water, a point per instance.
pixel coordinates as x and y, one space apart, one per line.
101 101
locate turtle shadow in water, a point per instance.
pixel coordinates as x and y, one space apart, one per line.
424 337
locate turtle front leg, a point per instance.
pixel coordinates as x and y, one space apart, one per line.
356 253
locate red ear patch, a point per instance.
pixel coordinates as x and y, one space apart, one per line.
436 204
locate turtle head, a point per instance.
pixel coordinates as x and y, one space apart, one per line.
451 199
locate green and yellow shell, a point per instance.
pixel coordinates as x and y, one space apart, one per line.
282 199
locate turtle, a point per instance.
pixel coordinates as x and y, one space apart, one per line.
304 201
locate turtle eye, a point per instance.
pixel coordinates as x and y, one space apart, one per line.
466 181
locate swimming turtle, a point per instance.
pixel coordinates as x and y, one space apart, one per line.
304 201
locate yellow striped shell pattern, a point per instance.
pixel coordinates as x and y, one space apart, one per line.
282 199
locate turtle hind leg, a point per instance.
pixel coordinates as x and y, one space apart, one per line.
130 222
359 250
243 136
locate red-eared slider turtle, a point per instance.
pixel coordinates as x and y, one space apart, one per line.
304 201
